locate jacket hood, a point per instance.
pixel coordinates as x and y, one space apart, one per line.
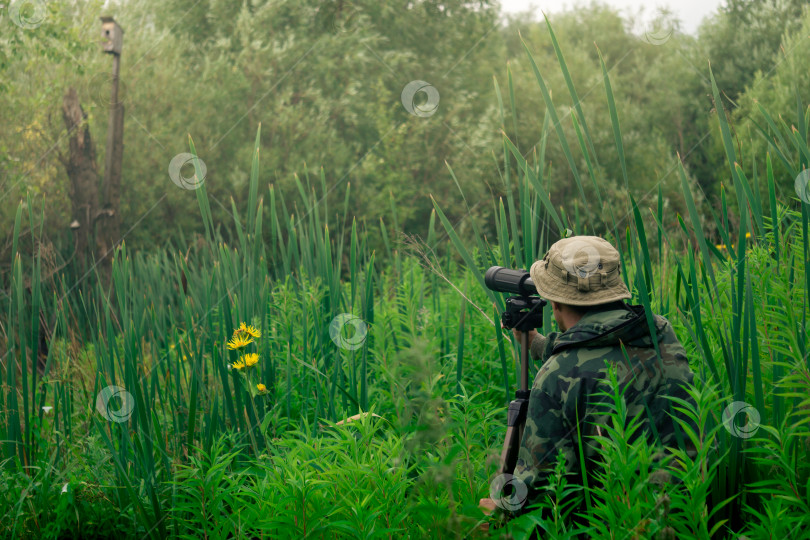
610 327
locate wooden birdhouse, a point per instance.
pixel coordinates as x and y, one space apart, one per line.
112 36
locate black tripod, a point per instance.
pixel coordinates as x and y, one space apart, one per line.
522 313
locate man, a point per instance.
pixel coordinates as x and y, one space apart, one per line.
581 278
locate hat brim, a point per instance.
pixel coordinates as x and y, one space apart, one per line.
550 288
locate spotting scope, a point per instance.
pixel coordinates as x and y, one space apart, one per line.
506 280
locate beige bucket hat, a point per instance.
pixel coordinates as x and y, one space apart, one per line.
580 271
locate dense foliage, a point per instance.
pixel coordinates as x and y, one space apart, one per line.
325 80
126 406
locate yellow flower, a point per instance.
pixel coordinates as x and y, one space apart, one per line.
251 331
261 388
250 359
239 342
239 364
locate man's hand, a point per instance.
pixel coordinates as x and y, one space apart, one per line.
519 335
487 506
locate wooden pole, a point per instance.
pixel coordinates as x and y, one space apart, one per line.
111 135
109 232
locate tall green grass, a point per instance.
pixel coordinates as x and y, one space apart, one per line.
200 456
160 330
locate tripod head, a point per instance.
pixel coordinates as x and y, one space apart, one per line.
523 312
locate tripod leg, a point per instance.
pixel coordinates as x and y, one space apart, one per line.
514 433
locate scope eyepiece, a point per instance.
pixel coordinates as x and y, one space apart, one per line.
500 279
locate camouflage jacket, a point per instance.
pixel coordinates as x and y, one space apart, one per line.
566 392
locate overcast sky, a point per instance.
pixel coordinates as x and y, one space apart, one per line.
690 12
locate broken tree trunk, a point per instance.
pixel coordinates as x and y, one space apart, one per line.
83 175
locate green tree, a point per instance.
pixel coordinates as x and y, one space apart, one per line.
744 38
653 87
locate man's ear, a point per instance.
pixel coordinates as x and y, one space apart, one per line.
556 306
